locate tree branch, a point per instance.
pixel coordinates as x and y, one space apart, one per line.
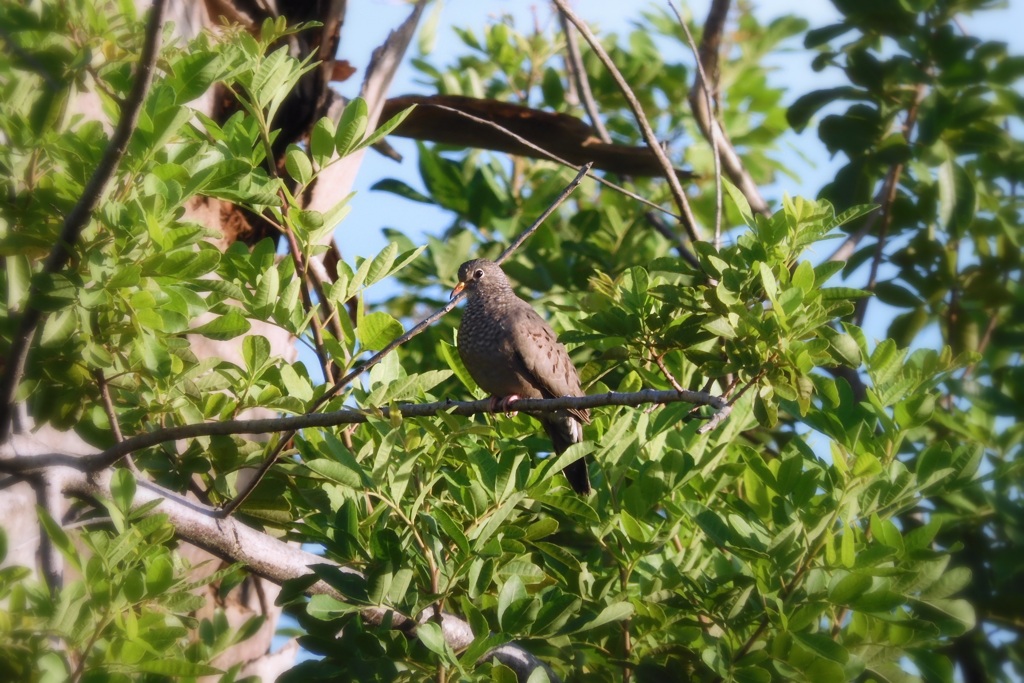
645 128
543 153
574 65
232 541
80 215
707 67
278 561
703 85
94 462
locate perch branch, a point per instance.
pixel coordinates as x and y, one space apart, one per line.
97 461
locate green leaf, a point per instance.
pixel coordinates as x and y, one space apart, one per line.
771 287
377 330
298 165
255 352
453 530
351 126
388 126
321 142
955 616
59 539
58 329
451 356
513 591
849 588
122 488
740 200
339 472
823 645
801 111
227 326
326 607
803 277
430 634
617 611
381 264
843 346
296 385
402 189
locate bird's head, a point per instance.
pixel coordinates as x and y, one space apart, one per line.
480 275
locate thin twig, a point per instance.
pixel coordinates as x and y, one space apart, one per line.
891 188
284 439
80 215
108 408
326 363
703 83
986 337
710 126
574 65
321 279
291 424
525 234
660 362
682 203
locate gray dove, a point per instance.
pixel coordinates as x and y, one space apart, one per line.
513 353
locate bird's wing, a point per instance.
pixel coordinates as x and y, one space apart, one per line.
545 362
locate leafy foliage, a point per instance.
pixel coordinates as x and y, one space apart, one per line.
128 615
829 529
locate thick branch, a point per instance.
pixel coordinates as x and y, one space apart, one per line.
98 461
275 560
80 215
511 125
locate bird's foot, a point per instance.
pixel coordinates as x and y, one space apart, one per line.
503 404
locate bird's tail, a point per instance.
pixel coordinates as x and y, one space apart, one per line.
564 431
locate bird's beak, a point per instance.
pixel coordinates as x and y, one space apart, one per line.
458 288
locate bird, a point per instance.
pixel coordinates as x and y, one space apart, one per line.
512 353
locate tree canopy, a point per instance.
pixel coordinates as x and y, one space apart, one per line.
805 410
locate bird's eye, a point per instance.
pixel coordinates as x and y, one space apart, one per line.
478 274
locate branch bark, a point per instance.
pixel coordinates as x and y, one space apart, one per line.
232 541
95 462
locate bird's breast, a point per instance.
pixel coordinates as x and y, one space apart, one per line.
487 351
